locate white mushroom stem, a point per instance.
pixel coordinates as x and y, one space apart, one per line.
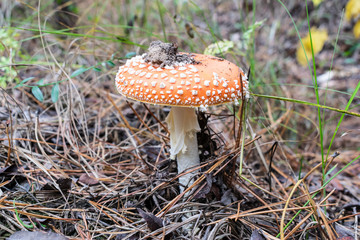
183 126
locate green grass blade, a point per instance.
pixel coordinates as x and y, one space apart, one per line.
310 103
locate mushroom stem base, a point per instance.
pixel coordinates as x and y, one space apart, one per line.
187 160
183 125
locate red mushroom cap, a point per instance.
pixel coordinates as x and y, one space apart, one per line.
209 81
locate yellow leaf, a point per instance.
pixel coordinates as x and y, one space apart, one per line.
357 29
319 38
300 56
352 9
316 2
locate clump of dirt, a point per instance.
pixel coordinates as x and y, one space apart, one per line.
166 54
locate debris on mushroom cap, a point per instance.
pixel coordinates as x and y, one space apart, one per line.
162 54
207 81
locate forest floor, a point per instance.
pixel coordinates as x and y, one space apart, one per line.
79 159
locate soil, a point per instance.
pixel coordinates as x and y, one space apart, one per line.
166 54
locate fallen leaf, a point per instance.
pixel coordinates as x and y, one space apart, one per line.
316 2
24 235
256 235
319 38
228 197
88 180
344 233
352 9
206 189
151 220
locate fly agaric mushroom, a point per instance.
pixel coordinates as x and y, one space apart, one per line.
184 83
